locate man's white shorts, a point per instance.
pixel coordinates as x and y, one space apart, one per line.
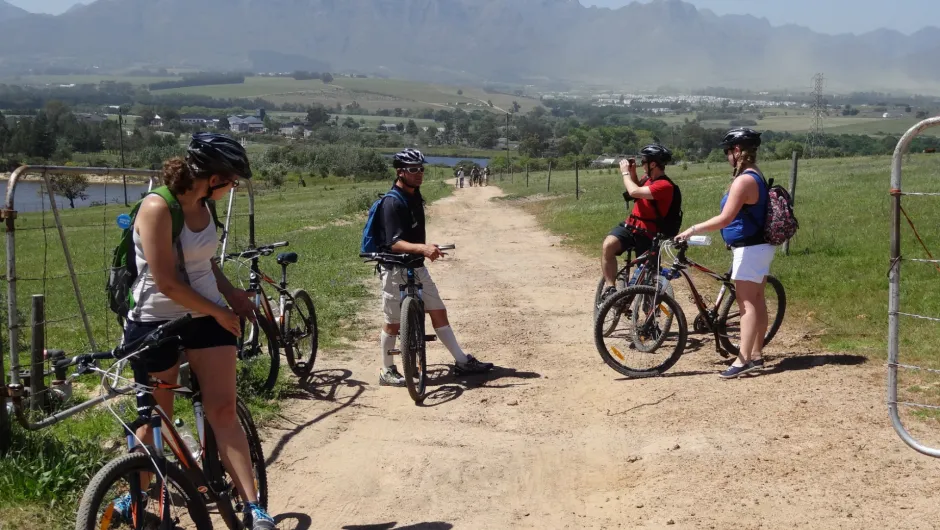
391 294
752 264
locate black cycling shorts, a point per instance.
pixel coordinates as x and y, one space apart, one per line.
200 333
628 239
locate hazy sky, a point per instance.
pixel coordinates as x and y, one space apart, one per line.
824 16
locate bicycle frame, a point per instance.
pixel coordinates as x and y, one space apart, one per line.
163 430
681 265
262 302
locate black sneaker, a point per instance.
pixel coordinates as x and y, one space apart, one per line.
472 366
758 363
610 291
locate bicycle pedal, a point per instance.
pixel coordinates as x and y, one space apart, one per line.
430 338
394 352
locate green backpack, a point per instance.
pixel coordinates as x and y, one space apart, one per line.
124 271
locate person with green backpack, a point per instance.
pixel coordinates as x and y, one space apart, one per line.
166 268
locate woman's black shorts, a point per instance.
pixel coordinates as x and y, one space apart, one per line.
200 333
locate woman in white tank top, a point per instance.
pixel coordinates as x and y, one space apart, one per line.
165 291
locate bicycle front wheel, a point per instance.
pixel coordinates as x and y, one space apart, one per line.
413 358
259 354
149 504
301 337
644 312
729 316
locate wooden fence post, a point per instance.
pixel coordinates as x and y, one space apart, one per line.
577 183
527 175
794 169
549 187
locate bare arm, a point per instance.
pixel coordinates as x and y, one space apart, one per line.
225 285
429 251
155 227
631 182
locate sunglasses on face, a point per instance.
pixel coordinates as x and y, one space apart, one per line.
413 170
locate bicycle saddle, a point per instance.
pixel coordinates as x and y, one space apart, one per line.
286 258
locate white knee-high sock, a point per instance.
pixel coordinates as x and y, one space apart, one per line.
388 343
447 338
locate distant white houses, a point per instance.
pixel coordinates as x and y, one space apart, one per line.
388 127
291 129
195 119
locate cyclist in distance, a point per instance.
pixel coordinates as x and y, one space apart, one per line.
183 277
741 221
403 232
653 196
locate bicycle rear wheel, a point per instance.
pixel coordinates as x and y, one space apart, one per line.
729 316
619 348
219 476
260 356
413 358
301 337
121 477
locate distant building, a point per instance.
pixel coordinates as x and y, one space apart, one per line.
157 121
246 124
291 129
388 127
194 119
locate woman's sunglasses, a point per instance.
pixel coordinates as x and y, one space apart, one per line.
413 170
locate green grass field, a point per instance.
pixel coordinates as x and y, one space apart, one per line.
323 223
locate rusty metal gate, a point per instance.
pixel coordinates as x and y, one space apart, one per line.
895 314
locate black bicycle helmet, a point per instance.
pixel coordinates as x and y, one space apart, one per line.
740 136
217 154
408 157
656 153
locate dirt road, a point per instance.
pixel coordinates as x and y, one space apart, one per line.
555 439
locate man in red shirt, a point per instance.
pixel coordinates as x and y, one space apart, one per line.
653 196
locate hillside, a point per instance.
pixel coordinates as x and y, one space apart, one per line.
666 42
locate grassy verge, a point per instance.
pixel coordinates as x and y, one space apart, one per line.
43 477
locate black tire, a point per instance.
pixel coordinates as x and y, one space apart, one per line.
301 339
728 324
413 358
219 476
670 346
259 365
99 494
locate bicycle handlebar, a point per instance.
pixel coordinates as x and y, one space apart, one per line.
163 335
263 250
403 260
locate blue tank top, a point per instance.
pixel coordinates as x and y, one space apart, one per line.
748 226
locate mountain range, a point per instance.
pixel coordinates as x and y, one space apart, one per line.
665 42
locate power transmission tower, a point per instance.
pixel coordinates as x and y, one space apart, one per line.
819 108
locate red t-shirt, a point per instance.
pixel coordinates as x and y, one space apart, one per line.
646 209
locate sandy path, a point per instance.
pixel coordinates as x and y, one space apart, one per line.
558 440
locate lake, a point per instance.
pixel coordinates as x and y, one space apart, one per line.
27 197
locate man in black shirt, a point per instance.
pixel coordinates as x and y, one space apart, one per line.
403 230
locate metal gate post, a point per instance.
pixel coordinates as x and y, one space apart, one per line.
8 214
894 287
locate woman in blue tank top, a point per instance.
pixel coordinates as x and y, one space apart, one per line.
741 221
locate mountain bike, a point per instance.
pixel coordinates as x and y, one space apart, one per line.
646 310
290 323
167 484
642 275
413 339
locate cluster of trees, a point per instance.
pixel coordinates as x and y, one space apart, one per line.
200 79
301 75
324 160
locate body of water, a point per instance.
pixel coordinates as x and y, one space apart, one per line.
27 197
452 161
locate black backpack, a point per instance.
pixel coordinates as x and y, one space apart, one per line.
671 224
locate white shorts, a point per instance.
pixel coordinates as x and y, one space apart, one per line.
391 294
752 264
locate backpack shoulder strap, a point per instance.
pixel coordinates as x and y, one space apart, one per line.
176 210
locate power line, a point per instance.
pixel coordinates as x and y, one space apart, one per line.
819 108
